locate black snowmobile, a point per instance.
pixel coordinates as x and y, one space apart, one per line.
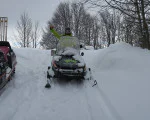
67 61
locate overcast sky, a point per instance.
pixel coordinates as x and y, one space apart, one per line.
38 10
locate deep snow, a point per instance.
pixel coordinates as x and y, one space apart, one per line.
122 73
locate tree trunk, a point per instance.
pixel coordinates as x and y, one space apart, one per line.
145 27
140 23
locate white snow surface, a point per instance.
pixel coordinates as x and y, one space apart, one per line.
89 47
122 93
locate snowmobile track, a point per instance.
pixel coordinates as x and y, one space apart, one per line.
105 101
89 106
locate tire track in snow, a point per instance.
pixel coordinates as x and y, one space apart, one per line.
25 103
75 96
107 106
26 93
94 105
89 106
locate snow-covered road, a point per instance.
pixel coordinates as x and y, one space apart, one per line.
25 97
114 98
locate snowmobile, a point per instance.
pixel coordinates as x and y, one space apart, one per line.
7 63
67 60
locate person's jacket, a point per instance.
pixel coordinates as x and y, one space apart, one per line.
55 33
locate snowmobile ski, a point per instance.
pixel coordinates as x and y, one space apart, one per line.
90 77
49 78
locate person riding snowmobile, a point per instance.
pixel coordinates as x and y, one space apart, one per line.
55 33
66 37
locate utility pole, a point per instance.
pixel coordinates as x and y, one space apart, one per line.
3 28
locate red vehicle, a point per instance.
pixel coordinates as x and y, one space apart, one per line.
7 56
7 63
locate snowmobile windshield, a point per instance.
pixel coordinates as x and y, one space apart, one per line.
67 43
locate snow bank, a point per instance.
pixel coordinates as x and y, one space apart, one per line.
89 47
122 72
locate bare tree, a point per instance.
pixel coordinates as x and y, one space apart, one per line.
135 11
48 40
24 29
82 24
106 17
95 32
62 17
136 15
77 13
35 34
